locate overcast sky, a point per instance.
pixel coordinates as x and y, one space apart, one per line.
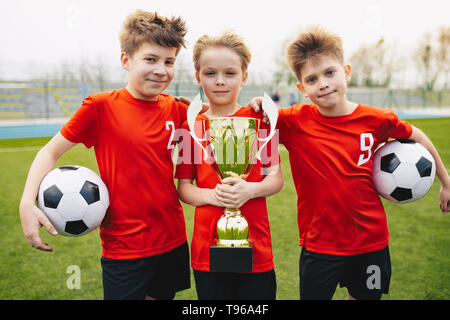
39 34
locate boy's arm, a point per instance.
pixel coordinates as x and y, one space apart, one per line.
234 192
187 102
441 172
196 196
256 105
32 218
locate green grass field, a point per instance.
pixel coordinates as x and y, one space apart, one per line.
420 240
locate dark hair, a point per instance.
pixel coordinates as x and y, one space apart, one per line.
315 41
142 26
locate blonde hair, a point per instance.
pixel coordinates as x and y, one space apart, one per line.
142 26
227 39
313 42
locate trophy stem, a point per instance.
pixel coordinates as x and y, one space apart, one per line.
232 229
233 211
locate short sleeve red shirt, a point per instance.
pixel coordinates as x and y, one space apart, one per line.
338 209
133 142
206 217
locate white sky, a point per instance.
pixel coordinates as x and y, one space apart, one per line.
39 34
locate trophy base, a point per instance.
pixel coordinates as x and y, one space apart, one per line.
233 243
231 259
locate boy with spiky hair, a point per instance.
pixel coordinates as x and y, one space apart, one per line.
342 223
145 252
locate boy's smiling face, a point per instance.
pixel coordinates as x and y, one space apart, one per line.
150 70
324 81
220 75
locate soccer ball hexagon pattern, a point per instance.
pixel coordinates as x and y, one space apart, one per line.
74 198
403 171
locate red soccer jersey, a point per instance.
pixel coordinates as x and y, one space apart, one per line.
206 217
339 211
133 145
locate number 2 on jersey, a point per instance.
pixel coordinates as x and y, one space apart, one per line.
170 124
366 147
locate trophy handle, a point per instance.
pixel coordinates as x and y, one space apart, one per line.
192 112
272 113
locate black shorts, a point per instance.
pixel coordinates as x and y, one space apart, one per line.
235 286
366 276
159 276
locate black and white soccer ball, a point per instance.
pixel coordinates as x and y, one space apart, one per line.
403 171
74 198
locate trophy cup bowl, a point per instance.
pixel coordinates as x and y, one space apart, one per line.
234 145
231 145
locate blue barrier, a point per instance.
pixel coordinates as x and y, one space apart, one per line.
29 130
50 129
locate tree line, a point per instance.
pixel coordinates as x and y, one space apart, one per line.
376 64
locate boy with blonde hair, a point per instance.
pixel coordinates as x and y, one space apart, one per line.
342 223
221 69
145 252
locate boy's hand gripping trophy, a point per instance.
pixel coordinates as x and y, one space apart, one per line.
230 145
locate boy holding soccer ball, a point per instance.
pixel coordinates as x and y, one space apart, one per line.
145 252
342 222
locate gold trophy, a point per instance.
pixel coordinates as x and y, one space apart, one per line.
231 146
